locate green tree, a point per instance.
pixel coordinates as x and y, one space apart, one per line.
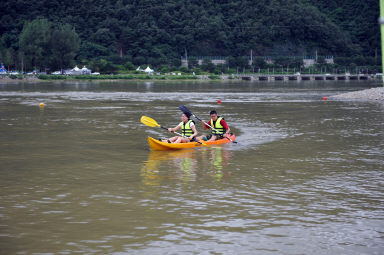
342 61
64 44
175 62
104 36
282 61
161 32
103 66
91 50
192 62
10 58
2 48
231 61
298 62
129 66
242 62
259 62
34 42
207 65
320 60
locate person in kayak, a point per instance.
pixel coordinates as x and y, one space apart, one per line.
218 123
188 130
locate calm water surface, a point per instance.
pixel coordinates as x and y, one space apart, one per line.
77 177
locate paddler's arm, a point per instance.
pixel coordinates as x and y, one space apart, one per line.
174 129
205 126
194 133
225 126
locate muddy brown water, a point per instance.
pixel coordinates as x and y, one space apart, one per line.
78 177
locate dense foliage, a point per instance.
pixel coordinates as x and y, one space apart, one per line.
43 44
114 34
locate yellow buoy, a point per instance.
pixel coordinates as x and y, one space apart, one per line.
42 104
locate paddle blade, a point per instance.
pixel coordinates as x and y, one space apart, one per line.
184 109
149 121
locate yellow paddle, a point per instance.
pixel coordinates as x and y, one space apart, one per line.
152 123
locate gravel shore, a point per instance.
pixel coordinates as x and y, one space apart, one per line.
367 94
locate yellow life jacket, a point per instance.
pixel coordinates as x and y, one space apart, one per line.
186 128
217 126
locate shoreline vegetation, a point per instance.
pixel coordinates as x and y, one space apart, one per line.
50 77
45 77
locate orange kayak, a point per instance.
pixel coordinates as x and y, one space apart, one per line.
164 146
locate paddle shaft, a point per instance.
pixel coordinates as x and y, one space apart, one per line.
173 132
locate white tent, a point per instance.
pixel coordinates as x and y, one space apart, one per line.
85 70
78 71
148 70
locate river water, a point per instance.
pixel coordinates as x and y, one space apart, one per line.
78 177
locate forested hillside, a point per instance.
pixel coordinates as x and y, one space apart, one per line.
158 32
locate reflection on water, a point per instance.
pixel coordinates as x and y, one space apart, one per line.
186 165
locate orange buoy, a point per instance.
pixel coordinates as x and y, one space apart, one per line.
218 101
41 104
325 98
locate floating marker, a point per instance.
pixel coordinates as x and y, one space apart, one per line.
41 104
218 101
325 98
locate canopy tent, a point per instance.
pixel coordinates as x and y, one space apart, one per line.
85 70
78 71
148 70
2 69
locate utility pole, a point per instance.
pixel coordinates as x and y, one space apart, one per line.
22 63
186 56
251 57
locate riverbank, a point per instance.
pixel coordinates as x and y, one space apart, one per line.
367 94
10 78
184 76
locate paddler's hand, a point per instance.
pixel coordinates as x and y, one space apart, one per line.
170 130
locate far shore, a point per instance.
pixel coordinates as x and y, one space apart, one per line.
112 78
185 77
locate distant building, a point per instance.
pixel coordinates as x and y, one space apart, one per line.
307 60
